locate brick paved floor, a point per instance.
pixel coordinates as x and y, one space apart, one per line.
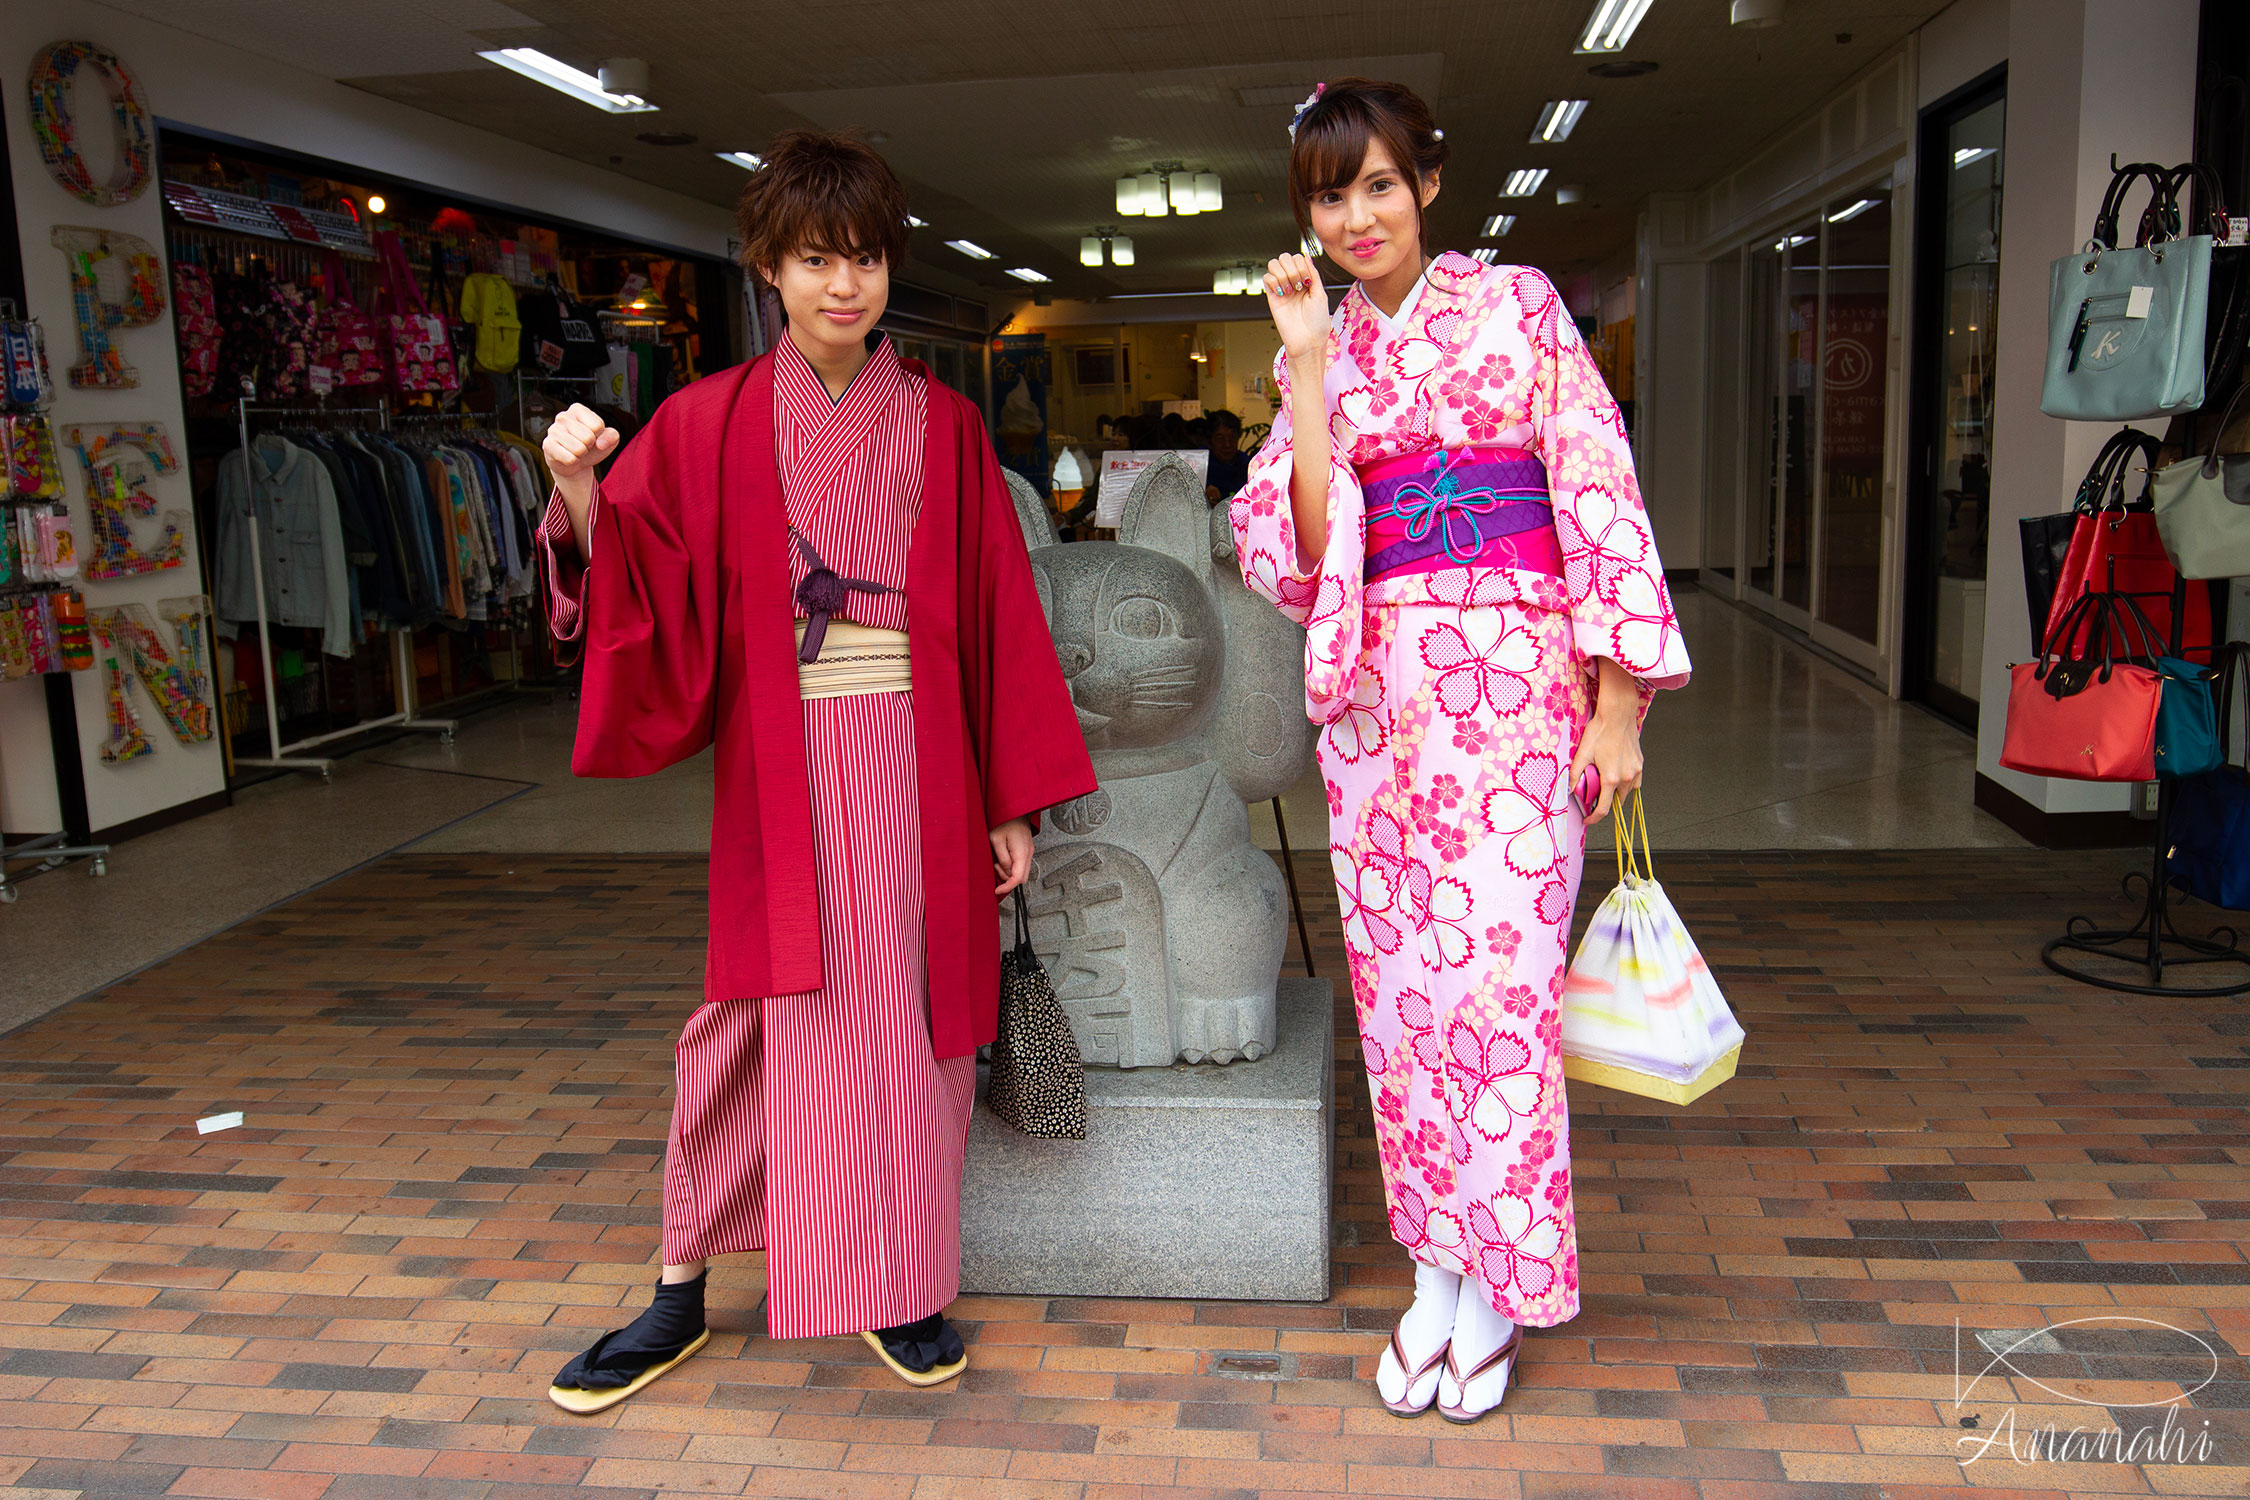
454 1073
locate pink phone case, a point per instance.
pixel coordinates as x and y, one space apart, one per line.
1589 791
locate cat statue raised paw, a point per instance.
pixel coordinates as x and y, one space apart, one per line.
1161 925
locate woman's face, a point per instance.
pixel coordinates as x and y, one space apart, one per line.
833 299
1369 226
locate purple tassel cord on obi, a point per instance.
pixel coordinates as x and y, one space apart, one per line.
823 595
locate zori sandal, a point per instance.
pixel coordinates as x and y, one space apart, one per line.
585 1402
1506 1351
1414 1377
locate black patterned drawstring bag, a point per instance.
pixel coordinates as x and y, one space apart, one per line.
1038 1078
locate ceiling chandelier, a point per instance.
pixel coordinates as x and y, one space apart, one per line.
1120 247
1167 187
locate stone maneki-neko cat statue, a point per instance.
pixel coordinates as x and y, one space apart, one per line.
1160 924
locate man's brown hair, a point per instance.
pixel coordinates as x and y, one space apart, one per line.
821 192
1352 114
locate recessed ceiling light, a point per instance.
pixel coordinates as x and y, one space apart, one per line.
1967 154
970 248
749 161
1571 192
562 77
1498 225
1487 254
1557 120
1842 214
1792 242
1523 182
1025 273
1611 25
914 223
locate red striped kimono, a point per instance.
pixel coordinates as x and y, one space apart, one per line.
823 1090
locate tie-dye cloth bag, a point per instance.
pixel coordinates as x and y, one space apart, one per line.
1641 1012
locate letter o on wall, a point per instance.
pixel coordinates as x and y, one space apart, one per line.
52 73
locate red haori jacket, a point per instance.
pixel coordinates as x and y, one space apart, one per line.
690 642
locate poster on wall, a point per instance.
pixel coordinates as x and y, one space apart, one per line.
1020 372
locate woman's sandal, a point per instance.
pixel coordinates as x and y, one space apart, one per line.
1507 1351
584 1402
1413 1378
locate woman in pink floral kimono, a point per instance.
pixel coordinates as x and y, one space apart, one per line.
1447 503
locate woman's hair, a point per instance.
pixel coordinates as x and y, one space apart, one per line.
1351 115
821 192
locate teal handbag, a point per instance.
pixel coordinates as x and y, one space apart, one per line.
2187 705
2125 328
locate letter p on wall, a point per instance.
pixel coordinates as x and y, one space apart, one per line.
116 281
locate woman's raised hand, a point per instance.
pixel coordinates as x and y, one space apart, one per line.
576 441
1299 304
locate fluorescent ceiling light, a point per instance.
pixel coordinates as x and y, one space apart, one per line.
562 77
1523 182
1967 154
1611 25
1025 273
1792 242
1487 254
749 161
1841 215
970 248
914 223
1557 120
1498 225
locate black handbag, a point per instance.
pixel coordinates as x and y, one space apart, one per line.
1038 1077
2046 539
558 336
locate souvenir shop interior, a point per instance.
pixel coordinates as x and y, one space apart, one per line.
397 480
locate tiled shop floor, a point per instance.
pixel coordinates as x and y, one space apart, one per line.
453 1073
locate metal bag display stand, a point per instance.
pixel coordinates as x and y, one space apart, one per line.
2152 943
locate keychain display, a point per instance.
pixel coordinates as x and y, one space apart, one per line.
32 637
24 377
34 471
173 680
74 638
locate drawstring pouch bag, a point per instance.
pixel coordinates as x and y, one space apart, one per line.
1641 1012
1038 1076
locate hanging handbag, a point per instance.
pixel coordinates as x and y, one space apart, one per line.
1640 1010
195 313
2125 328
418 348
2187 721
2084 717
557 335
2209 853
2203 507
1038 1076
2115 546
346 342
2046 539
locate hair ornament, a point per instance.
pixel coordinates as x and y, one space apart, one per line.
1311 99
1436 134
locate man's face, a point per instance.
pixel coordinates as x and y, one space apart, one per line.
1223 441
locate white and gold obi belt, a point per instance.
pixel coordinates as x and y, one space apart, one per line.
855 659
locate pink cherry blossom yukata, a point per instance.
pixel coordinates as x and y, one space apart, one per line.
1453 702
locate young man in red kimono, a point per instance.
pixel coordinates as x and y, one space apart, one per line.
811 563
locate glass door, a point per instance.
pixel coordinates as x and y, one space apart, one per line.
1767 407
1854 420
1957 284
1723 448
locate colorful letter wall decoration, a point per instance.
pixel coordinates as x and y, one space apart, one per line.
103 366
52 73
118 459
177 677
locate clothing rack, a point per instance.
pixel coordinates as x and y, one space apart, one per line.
284 757
2152 943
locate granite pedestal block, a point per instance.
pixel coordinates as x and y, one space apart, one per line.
1193 1181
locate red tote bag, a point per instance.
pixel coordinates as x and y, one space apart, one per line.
2084 718
2116 546
346 342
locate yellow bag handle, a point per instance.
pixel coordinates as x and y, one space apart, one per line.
1629 820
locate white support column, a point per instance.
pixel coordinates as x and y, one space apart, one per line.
1668 377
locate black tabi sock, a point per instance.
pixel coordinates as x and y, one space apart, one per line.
671 1323
923 1344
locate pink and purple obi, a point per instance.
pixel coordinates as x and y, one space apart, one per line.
1480 507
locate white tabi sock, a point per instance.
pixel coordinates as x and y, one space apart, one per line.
1422 1331
1477 1332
